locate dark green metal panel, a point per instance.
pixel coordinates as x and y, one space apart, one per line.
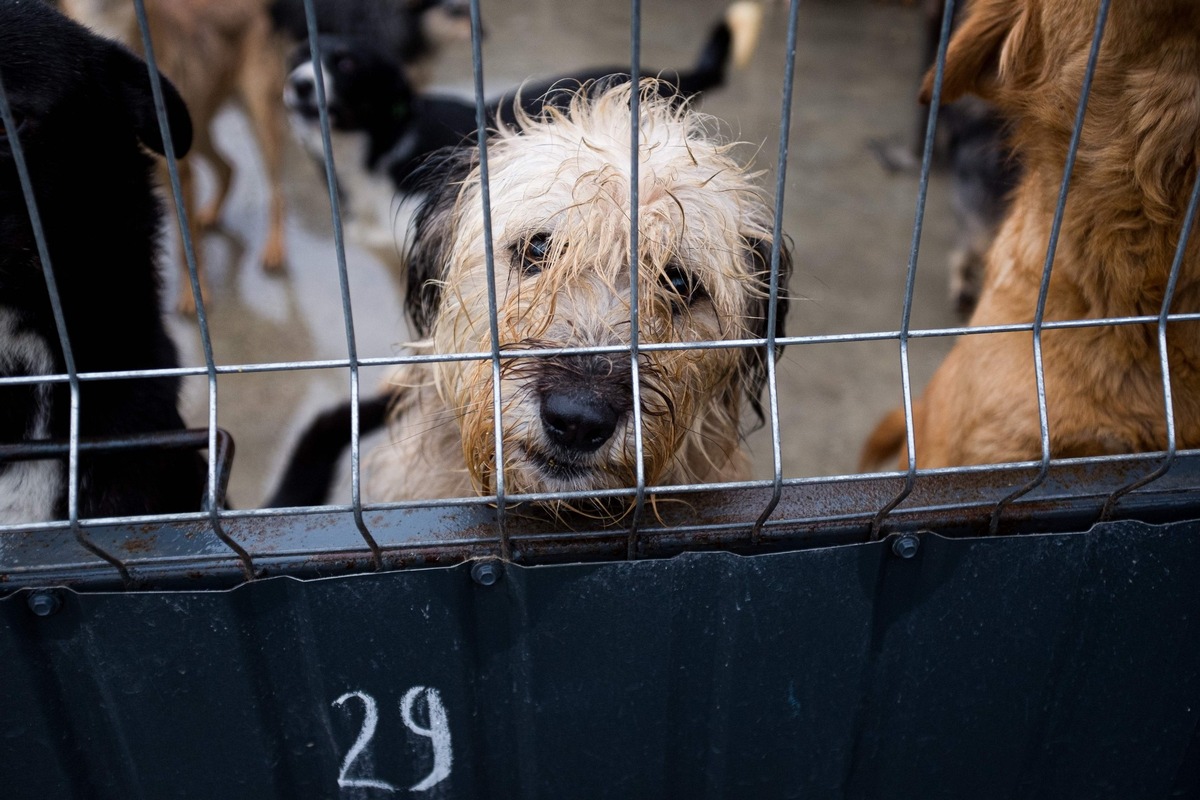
1042 666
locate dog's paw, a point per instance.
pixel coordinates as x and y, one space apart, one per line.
209 217
274 254
185 303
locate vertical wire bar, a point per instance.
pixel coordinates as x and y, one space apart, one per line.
189 249
635 65
344 284
785 129
1164 362
1044 290
60 324
910 281
489 261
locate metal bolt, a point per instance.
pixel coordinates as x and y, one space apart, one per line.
485 573
44 603
906 545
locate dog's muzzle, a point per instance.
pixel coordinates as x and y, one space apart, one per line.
582 402
300 92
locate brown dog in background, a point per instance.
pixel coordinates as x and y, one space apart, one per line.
1136 165
213 51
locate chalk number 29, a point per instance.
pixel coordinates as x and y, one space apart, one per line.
438 734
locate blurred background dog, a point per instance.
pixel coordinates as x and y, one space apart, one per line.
215 51
970 143
413 33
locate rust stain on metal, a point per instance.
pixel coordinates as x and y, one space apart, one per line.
143 544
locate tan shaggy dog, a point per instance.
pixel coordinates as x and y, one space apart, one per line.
560 194
1136 165
213 51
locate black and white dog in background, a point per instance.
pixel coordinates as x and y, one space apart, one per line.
383 130
412 32
83 108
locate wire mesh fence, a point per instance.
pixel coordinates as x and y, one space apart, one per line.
1047 492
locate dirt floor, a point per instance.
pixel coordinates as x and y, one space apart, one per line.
851 223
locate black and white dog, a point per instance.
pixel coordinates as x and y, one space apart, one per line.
82 108
383 130
409 31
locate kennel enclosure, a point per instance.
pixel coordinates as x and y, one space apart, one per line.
1011 630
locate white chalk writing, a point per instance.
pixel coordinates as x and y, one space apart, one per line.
437 731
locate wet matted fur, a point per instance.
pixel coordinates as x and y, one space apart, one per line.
1137 161
560 194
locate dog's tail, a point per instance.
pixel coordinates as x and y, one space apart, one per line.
885 443
734 38
309 474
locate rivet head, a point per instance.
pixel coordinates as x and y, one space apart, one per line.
44 603
906 545
485 573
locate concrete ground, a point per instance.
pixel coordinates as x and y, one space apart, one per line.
850 222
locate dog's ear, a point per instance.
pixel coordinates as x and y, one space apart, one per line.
754 359
439 179
995 39
131 77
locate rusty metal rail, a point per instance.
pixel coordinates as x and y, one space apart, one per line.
815 513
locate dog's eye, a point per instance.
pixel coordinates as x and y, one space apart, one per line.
345 64
683 284
530 256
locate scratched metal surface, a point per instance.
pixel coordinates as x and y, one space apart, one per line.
1041 666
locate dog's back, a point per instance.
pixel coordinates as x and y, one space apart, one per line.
83 104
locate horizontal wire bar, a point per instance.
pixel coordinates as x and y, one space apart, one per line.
673 489
782 341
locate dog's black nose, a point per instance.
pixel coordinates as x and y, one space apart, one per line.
303 88
578 419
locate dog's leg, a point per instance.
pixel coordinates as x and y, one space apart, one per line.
260 82
310 468
208 217
186 302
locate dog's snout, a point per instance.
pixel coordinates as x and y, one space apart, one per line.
300 89
303 87
578 419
